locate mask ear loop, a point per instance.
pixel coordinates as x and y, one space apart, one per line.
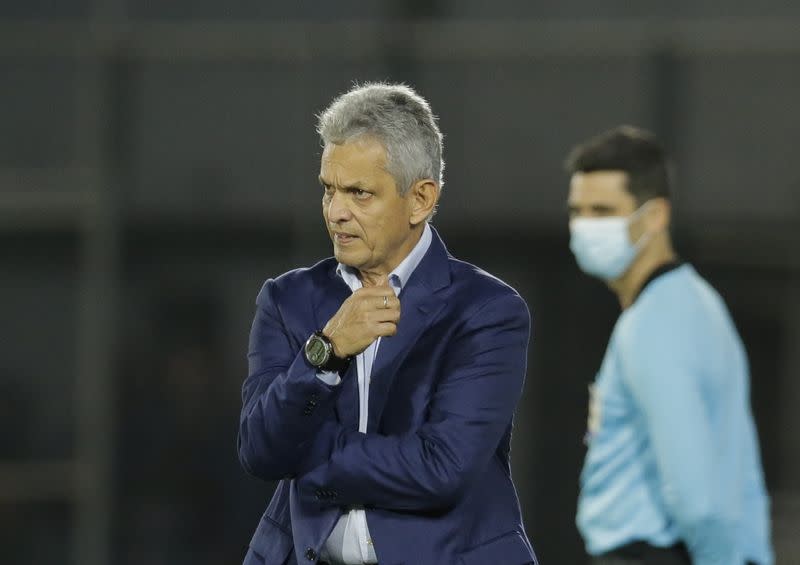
645 238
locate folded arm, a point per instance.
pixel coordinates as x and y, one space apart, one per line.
470 411
287 418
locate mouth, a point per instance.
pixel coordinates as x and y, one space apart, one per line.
343 238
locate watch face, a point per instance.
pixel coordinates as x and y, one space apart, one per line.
316 352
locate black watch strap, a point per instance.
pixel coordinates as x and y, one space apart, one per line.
335 364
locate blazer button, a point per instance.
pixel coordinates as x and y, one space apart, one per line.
311 555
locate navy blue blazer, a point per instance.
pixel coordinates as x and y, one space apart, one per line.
433 469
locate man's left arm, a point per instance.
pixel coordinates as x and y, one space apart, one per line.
430 468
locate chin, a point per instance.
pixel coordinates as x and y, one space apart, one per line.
348 259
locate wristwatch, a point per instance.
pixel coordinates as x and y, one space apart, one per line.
319 353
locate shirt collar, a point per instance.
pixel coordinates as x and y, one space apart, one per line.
661 270
400 275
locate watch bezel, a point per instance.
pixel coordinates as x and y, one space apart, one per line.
315 360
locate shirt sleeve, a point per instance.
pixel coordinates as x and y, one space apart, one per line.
329 378
664 366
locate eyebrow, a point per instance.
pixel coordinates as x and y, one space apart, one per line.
594 207
352 186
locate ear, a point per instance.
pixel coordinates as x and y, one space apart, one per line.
659 215
423 196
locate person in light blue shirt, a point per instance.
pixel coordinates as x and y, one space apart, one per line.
673 471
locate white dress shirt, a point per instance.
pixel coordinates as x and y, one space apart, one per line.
350 542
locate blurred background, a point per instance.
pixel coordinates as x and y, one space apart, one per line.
158 161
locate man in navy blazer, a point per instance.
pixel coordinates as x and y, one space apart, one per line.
383 382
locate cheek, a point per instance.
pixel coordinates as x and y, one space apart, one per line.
369 223
390 233
381 224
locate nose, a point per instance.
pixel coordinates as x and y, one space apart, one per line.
337 210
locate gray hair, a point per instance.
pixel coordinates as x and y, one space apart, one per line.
400 119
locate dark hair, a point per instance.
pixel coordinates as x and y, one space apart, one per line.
629 149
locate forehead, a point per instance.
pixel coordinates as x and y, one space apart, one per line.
362 157
600 187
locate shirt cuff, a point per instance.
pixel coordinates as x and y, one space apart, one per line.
329 378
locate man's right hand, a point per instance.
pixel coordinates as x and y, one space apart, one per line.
366 315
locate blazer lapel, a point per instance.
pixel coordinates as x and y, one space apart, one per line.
419 309
419 305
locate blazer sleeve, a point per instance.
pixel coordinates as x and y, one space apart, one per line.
471 409
287 422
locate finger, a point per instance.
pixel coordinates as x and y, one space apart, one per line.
370 301
386 329
393 313
367 293
382 315
390 315
371 297
385 302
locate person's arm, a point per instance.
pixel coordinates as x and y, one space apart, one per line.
473 405
665 369
287 418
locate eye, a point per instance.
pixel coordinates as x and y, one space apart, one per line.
360 194
603 212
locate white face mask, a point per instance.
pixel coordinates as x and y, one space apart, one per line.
602 246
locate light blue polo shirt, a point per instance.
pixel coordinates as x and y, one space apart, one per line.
673 452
